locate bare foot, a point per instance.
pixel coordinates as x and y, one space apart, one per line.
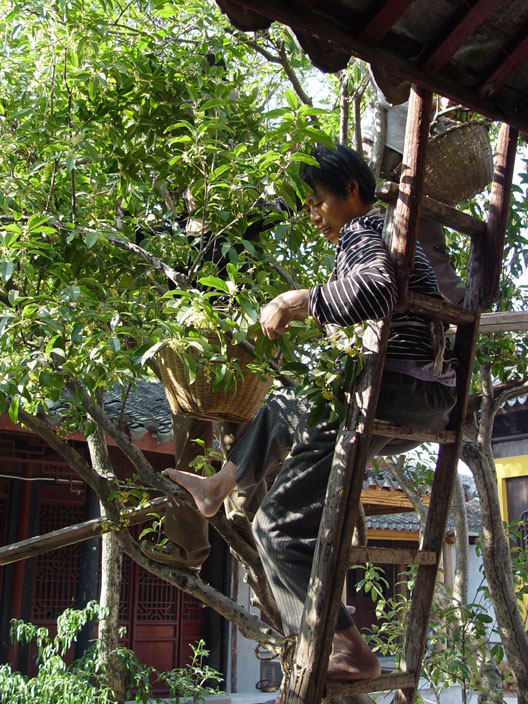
351 658
208 492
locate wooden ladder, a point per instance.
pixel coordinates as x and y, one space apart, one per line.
307 683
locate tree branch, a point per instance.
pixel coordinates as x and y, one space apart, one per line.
396 469
296 84
100 485
249 625
175 276
281 58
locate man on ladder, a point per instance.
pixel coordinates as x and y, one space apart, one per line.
417 389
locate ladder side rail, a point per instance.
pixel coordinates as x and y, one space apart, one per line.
482 285
330 565
446 467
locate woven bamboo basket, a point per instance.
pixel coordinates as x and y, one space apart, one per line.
459 163
199 400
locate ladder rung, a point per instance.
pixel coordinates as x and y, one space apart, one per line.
389 681
392 556
435 308
444 214
391 430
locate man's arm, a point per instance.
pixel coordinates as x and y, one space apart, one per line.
276 315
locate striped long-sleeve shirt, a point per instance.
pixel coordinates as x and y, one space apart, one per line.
362 287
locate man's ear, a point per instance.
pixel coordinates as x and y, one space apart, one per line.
353 189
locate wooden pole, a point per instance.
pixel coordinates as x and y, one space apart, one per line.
408 205
498 214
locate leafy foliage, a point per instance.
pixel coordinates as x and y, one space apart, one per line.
59 683
460 637
106 108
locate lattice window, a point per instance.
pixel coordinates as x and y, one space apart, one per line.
524 531
156 599
126 580
57 573
4 503
193 608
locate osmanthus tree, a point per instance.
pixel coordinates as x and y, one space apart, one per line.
111 109
108 111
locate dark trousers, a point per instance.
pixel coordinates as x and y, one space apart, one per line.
287 523
259 446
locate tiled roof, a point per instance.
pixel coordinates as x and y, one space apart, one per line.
146 409
381 478
409 521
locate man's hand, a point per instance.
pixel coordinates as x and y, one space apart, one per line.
275 316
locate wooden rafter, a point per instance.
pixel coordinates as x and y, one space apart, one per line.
459 34
516 55
382 22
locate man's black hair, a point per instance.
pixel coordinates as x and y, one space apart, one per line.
337 168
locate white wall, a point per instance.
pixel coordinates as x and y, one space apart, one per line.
248 666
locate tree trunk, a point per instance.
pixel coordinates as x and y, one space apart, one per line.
111 561
497 565
344 107
496 554
460 582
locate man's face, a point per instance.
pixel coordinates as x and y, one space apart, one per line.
329 213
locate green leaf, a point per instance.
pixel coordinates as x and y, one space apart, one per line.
13 296
73 292
77 332
319 136
214 282
114 344
13 410
291 99
35 221
150 352
6 270
90 239
13 228
305 158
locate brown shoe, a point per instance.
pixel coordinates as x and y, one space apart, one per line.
165 555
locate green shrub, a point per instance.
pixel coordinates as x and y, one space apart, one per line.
83 681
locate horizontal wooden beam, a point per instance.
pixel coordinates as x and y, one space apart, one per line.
445 214
511 321
392 556
390 430
76 533
497 323
438 309
386 682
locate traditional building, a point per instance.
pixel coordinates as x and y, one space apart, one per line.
510 449
40 493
